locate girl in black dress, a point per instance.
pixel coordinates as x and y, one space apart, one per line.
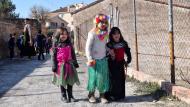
117 47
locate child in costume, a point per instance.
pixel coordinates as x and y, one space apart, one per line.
117 48
98 75
64 64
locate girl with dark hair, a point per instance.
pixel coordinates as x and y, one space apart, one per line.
64 64
117 47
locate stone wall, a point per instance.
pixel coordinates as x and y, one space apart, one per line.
152 32
10 26
19 23
5 30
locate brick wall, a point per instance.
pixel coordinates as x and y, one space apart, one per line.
8 26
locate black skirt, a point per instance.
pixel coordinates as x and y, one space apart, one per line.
28 50
117 79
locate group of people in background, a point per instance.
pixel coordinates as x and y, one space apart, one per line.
105 60
29 46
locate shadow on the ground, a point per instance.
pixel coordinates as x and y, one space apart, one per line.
83 99
13 71
128 99
139 98
20 95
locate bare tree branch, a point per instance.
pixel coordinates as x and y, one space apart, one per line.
38 12
185 77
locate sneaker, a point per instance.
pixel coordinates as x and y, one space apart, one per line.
92 99
104 100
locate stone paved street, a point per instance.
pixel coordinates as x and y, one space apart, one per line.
27 83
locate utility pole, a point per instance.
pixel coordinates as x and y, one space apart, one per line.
171 40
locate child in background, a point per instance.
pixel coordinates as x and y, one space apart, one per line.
64 64
117 47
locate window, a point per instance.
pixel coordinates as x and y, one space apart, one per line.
62 24
56 25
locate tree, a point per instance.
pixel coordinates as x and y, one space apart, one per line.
39 13
7 9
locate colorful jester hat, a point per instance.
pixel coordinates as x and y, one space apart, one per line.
101 30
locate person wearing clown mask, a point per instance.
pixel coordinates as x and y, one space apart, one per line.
98 74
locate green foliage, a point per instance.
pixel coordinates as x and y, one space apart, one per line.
7 9
152 89
148 88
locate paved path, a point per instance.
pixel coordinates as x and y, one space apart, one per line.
27 83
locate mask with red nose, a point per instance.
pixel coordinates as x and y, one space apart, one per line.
101 30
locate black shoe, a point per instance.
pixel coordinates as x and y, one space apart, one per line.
72 99
119 98
64 99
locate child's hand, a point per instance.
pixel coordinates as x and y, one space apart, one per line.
30 42
91 62
54 70
126 64
112 54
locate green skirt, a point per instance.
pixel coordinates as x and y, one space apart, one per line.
98 76
70 80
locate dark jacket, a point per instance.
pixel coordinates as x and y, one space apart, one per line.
11 43
124 45
40 40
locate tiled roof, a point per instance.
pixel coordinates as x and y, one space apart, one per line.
65 9
87 6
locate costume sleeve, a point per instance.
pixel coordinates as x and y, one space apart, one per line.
89 45
74 57
128 53
54 59
54 56
29 31
108 48
27 26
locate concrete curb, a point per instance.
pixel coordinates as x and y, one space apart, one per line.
180 92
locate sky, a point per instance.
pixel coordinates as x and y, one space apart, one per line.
23 6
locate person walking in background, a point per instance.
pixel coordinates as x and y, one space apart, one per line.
40 44
28 41
64 64
48 44
98 74
19 43
11 45
117 47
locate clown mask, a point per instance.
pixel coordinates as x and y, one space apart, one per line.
102 26
101 21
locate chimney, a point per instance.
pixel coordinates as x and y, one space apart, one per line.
68 9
